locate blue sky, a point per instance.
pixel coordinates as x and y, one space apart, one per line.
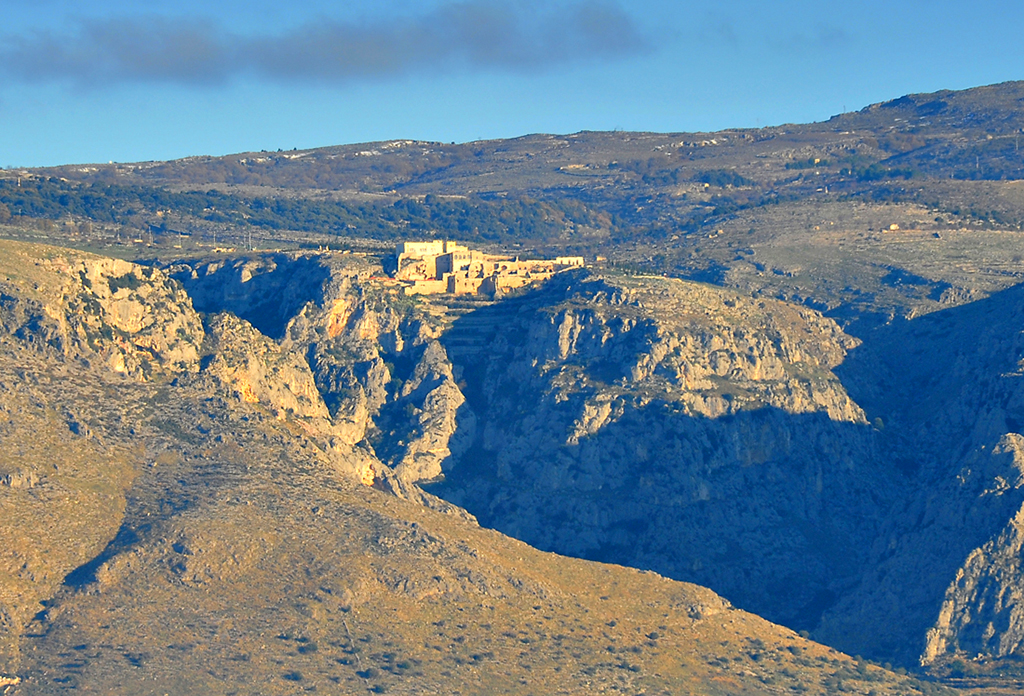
112 80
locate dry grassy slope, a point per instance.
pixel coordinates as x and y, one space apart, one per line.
942 131
62 489
840 256
246 560
288 581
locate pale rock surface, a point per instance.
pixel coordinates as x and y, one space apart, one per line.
375 360
257 370
433 400
134 319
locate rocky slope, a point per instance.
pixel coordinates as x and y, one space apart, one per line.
79 333
207 496
132 318
67 317
678 427
695 431
385 380
711 437
942 579
644 421
869 493
605 419
687 429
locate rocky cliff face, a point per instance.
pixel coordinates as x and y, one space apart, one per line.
256 370
132 318
672 426
678 427
941 580
385 381
982 612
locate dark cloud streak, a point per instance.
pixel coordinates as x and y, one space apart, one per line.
477 34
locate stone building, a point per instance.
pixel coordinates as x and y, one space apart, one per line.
448 267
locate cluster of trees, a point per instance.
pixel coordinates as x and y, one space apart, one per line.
809 163
54 198
661 171
499 219
321 170
654 171
878 172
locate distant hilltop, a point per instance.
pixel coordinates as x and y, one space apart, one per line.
436 267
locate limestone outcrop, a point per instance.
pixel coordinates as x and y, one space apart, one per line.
430 404
673 426
256 370
941 579
385 381
134 319
982 612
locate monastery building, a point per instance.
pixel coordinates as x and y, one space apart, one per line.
448 267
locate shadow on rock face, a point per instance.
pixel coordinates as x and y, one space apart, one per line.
635 425
947 392
267 291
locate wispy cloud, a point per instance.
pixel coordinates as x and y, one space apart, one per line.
473 34
823 37
726 28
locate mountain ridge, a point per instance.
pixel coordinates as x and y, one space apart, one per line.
790 373
346 587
